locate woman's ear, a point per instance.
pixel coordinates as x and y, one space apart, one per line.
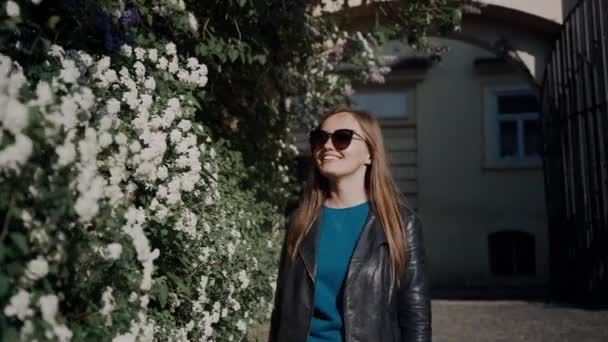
369 160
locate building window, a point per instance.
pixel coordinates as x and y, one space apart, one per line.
512 127
385 104
512 253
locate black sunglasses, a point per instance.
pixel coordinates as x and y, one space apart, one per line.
340 138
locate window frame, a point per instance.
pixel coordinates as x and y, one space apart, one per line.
406 88
492 120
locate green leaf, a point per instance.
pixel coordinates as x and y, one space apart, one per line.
20 241
3 285
53 21
179 283
242 3
162 294
233 54
10 334
203 50
260 58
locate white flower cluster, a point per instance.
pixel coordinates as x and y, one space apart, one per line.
49 305
14 116
109 305
141 330
320 77
176 10
376 71
136 218
160 144
19 306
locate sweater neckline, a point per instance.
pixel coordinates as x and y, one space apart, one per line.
346 208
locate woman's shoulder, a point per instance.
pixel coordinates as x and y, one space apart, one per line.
407 212
411 222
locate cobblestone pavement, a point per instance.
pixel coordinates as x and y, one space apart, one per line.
514 320
505 321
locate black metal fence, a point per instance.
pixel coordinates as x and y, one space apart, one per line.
575 134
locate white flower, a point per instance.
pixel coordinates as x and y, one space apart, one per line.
69 73
162 63
113 251
241 325
162 191
12 9
175 136
153 55
173 66
121 139
16 117
66 153
161 213
110 77
140 69
185 125
135 146
183 75
150 83
171 49
192 63
17 153
244 279
48 307
109 304
146 101
126 50
27 330
231 249
192 22
105 123
140 53
86 59
105 139
44 93
128 337
19 305
63 333
162 172
56 51
103 64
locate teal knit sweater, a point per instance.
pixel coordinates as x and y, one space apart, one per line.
340 231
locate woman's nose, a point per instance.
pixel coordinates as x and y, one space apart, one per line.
328 143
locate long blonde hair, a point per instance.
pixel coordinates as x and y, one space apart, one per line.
385 197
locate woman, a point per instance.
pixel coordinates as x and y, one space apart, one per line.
352 266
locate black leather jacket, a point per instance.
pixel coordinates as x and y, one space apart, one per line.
374 308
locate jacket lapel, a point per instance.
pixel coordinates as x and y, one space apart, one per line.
369 239
309 247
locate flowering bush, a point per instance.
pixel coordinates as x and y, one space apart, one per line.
102 164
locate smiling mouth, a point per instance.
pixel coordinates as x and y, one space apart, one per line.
329 158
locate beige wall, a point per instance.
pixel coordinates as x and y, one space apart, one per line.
548 9
460 201
531 48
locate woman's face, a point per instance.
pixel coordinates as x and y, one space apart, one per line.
335 164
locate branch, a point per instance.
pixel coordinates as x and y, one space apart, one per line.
7 219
